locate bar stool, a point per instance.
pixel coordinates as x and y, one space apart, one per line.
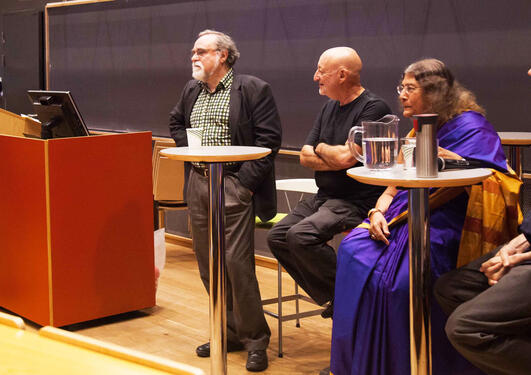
279 315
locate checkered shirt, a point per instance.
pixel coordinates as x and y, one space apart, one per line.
211 112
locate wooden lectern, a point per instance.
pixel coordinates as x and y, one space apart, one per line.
76 227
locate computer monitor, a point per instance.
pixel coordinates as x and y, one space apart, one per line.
58 114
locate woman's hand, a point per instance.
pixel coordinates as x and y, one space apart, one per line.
447 154
378 230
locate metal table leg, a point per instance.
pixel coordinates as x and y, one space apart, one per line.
515 159
419 281
217 298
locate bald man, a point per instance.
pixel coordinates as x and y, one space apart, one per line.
299 241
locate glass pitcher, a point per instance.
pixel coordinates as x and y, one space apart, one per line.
379 142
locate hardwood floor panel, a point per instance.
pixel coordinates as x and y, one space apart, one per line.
179 323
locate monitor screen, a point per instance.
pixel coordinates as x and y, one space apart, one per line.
58 114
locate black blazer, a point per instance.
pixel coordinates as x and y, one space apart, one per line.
253 121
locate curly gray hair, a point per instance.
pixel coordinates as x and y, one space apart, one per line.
224 42
441 91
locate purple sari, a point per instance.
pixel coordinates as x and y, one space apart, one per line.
370 334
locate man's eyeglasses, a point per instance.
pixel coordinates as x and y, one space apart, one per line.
200 52
322 74
409 89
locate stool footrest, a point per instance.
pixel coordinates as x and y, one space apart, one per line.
291 297
301 315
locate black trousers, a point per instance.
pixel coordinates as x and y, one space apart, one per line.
299 242
246 322
489 325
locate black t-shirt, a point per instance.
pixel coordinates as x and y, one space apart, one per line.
332 127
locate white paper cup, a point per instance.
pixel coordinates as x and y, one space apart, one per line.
408 152
194 136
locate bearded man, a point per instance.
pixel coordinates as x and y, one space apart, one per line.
232 110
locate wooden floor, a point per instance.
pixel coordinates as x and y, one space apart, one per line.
179 323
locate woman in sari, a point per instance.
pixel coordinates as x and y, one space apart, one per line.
370 334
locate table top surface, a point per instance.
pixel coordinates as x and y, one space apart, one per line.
402 178
216 154
24 352
302 185
515 138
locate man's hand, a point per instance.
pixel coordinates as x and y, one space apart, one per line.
338 157
508 256
310 159
494 269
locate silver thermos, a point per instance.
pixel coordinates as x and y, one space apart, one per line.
426 148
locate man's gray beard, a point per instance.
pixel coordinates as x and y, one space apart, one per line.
199 75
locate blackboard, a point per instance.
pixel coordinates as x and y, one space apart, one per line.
125 62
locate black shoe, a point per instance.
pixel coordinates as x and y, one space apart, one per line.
204 350
328 312
325 371
256 360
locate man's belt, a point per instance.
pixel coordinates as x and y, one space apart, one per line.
231 168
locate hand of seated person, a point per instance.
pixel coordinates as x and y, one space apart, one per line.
515 252
511 254
447 154
379 230
494 269
338 157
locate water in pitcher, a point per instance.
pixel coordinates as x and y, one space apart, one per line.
380 153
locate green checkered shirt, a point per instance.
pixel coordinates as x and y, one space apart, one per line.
211 112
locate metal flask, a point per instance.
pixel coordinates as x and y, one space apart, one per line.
426 130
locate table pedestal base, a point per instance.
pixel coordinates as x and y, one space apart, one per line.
419 281
218 297
419 247
214 157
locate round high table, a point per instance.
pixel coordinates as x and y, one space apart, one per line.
299 185
419 246
215 157
515 141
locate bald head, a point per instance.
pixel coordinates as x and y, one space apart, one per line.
338 73
344 58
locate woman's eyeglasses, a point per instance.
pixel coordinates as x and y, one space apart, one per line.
409 89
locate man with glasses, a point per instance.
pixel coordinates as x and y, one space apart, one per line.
299 241
232 110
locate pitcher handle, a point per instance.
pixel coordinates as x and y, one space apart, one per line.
351 137
388 119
